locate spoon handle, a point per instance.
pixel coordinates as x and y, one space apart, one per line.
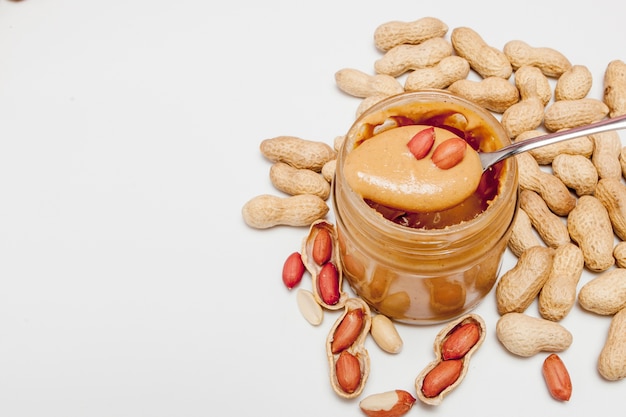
615 123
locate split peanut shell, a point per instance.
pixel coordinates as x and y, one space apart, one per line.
437 345
316 270
356 349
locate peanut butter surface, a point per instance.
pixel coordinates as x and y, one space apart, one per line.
384 170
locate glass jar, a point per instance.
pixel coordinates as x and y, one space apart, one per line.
425 275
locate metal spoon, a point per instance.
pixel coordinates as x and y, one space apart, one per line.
488 159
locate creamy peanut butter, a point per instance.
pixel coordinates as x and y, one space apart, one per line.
384 170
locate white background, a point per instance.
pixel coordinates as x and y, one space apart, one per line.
129 133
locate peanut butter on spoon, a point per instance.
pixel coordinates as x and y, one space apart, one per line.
383 169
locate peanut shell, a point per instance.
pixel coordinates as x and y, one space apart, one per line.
315 269
394 33
525 335
295 181
577 172
612 193
607 148
556 194
573 84
519 286
619 252
612 359
548 225
266 210
297 152
550 61
357 349
590 226
437 344
605 294
545 155
360 84
531 82
564 114
558 294
524 115
441 75
523 235
485 59
493 93
404 57
615 87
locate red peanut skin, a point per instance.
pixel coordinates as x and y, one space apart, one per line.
322 247
557 378
441 377
348 371
449 153
347 331
460 341
293 270
422 142
328 284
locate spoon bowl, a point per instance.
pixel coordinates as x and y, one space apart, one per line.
487 159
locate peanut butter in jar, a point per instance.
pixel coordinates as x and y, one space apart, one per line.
434 257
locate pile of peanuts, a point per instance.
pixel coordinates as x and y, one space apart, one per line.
572 214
